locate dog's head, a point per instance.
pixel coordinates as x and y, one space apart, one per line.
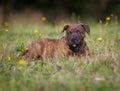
75 34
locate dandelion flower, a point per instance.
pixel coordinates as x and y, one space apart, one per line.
6 30
108 18
36 31
26 49
110 44
21 61
43 19
6 24
100 39
40 34
8 58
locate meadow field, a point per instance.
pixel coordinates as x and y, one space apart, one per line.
99 72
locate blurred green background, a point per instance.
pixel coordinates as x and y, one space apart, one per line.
60 9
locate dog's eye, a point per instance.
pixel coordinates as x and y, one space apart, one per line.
78 31
69 32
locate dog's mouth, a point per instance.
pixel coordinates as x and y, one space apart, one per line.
75 47
75 44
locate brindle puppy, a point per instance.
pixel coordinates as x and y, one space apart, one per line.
72 44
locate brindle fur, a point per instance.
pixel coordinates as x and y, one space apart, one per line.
54 48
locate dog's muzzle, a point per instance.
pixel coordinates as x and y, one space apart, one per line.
74 42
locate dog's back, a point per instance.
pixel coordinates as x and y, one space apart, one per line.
47 48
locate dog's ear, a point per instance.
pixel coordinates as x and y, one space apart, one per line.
65 28
86 27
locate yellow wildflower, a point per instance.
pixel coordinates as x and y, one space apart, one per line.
111 44
26 49
100 39
40 34
108 18
36 31
43 19
21 61
8 58
6 30
6 24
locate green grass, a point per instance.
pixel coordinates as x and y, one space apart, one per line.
100 72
